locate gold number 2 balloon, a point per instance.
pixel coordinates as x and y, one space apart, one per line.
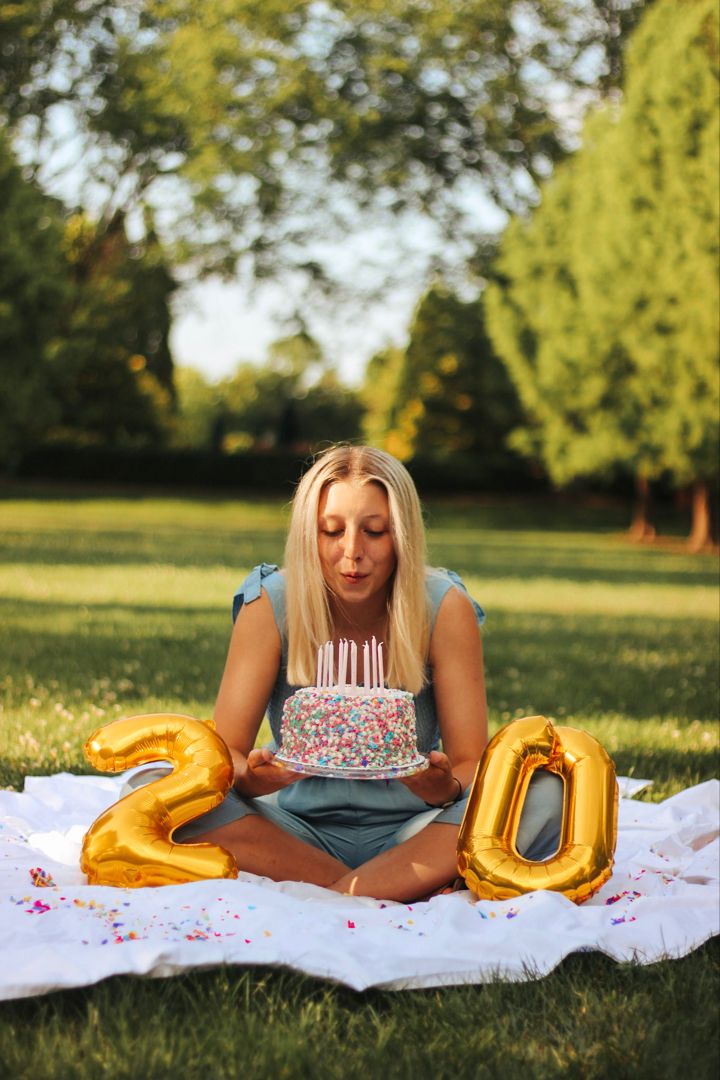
130 844
487 856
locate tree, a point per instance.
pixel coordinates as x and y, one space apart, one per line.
249 127
605 302
111 369
381 387
32 297
292 400
199 419
453 395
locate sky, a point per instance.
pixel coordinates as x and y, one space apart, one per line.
218 324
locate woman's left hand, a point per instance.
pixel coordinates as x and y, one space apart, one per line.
436 784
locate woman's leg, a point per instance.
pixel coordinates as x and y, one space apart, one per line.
261 847
407 871
428 860
538 834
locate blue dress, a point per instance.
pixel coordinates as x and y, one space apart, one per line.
354 820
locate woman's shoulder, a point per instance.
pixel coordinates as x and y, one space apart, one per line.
267 577
438 583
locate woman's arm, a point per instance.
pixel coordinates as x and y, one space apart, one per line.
251 670
459 687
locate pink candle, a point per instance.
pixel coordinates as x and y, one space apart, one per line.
353 664
366 667
374 663
381 672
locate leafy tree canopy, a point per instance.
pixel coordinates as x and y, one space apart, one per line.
111 369
291 400
245 124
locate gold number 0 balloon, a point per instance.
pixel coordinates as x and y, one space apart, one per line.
487 856
130 844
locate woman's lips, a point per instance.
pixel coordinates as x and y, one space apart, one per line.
353 579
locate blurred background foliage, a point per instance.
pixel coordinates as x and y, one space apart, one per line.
244 139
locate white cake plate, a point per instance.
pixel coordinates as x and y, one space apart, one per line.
358 772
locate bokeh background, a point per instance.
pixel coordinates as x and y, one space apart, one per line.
481 235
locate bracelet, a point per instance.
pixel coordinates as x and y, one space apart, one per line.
450 802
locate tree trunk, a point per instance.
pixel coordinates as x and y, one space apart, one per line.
700 533
641 529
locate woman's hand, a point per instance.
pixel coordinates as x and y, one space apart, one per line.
436 784
258 774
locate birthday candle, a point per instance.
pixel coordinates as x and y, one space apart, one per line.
342 664
318 680
366 667
353 664
374 663
331 665
381 673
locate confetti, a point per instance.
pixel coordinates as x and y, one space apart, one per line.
40 878
629 894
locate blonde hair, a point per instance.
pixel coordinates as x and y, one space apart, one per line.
309 620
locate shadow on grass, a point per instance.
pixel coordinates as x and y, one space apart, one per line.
681 767
182 548
485 556
494 560
636 666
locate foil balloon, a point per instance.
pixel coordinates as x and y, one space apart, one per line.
131 844
488 858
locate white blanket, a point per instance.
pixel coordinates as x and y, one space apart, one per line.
662 901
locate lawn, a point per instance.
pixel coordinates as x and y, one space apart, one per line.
119 606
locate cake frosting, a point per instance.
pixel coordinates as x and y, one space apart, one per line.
334 730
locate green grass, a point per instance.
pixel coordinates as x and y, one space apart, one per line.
118 606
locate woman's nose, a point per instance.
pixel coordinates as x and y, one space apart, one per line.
352 544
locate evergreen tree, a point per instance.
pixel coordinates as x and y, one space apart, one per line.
605 302
380 393
453 394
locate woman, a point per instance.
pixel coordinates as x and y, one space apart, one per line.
355 569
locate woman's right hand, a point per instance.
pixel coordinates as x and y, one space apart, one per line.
258 774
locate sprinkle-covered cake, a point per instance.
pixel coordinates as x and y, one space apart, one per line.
343 729
329 730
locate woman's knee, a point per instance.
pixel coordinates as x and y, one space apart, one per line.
541 818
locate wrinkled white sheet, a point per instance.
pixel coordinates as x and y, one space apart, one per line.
662 901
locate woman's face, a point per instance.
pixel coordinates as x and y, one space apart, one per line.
356 549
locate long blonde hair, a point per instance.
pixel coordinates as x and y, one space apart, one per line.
309 621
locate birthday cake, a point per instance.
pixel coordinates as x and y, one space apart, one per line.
348 730
328 730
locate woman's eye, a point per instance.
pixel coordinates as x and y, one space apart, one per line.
375 532
331 532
